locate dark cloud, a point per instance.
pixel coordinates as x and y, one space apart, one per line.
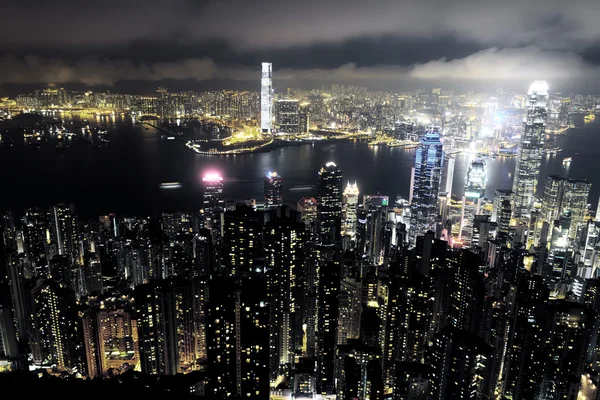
107 42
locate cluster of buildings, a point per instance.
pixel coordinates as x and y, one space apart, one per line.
347 295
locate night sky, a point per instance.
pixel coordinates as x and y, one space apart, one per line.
138 45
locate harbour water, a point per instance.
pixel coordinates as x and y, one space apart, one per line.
125 177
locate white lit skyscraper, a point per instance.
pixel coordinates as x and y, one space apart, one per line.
266 98
273 189
472 198
429 160
349 209
530 151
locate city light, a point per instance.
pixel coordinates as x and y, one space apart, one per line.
212 177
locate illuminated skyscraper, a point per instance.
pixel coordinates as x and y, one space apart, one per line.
426 185
286 116
56 337
213 196
330 201
565 196
164 310
266 98
284 248
531 148
472 198
307 206
349 209
273 189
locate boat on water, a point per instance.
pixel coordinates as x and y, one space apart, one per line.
170 185
589 118
567 161
301 188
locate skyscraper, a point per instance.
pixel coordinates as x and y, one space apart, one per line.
266 98
565 196
286 116
472 198
213 195
329 209
426 187
57 333
531 148
273 189
349 209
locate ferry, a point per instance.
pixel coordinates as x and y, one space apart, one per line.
170 185
301 188
567 161
589 118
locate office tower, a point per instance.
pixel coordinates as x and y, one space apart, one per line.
284 248
426 188
238 337
530 150
349 209
164 313
460 362
307 207
481 231
329 287
447 175
56 337
499 196
266 98
565 196
552 198
329 208
504 218
273 189
65 231
242 240
286 116
574 202
303 121
212 198
472 198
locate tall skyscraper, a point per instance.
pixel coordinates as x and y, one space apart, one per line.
426 187
212 199
565 197
531 148
273 189
329 209
472 198
266 98
349 209
56 336
284 247
238 337
165 323
307 206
